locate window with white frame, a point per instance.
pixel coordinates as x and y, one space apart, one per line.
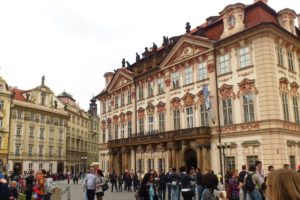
29 167
160 86
116 131
59 151
129 128
227 111
140 166
40 166
41 150
245 59
161 165
42 133
285 106
204 115
224 64
296 109
230 163
116 102
17 149
189 117
141 126
188 75
280 56
141 92
248 104
161 122
175 80
1 104
151 124
251 160
19 130
20 114
50 151
30 150
176 119
129 96
122 131
150 164
202 71
50 167
150 89
291 60
122 99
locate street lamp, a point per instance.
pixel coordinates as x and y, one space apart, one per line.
222 147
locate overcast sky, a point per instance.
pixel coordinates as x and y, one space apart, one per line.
73 43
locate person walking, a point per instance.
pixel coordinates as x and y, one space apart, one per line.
120 182
252 184
29 185
162 185
113 180
99 183
175 185
135 182
90 184
129 182
233 184
186 187
169 182
200 188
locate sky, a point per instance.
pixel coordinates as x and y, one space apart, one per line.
74 42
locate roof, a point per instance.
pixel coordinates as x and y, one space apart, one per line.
18 94
65 95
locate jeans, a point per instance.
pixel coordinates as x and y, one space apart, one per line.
162 193
244 194
199 191
169 191
188 195
255 195
175 192
90 194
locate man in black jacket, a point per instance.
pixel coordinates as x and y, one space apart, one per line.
199 183
169 182
162 185
185 180
4 191
29 185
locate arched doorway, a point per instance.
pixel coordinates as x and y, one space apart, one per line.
190 158
17 168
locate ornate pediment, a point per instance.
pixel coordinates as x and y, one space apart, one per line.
201 98
226 91
283 84
247 86
141 113
188 99
161 107
122 117
121 79
175 103
294 88
150 109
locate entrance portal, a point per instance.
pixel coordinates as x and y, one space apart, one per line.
60 168
17 169
190 159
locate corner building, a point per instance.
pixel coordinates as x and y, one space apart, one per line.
155 115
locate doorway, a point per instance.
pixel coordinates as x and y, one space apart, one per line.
190 159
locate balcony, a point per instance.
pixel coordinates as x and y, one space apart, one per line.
158 137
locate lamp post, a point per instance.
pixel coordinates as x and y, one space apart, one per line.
222 147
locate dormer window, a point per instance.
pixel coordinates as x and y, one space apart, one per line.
43 98
231 21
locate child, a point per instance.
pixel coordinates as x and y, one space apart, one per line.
13 192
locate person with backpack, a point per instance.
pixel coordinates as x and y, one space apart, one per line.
241 181
175 185
252 184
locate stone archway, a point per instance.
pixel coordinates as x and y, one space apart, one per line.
190 158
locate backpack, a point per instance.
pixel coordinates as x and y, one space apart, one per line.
249 185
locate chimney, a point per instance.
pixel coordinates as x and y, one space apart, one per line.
265 1
108 76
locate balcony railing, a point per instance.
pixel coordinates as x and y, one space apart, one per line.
154 136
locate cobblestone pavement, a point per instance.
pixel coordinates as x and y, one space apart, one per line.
78 194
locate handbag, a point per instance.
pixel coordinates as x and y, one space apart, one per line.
105 187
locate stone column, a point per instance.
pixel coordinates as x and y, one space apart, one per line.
173 157
133 159
199 157
205 157
169 161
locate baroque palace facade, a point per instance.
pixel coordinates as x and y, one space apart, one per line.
39 130
157 112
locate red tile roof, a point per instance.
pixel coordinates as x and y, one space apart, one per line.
18 94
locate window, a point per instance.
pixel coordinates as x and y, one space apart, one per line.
42 118
231 21
245 57
296 109
61 134
141 126
224 64
175 80
161 165
161 122
41 148
280 56
202 71
150 164
30 148
160 86
17 151
176 117
51 134
29 167
141 92
1 122
230 163
292 162
116 102
50 167
291 60
122 99
1 104
40 166
104 106
59 151
129 128
140 165
43 98
122 130
109 132
19 130
188 75
129 96
116 131
251 160
150 89
248 107
189 117
50 151
204 115
227 111
151 124
285 106
32 117
20 114
42 133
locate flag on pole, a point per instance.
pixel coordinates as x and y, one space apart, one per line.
206 97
